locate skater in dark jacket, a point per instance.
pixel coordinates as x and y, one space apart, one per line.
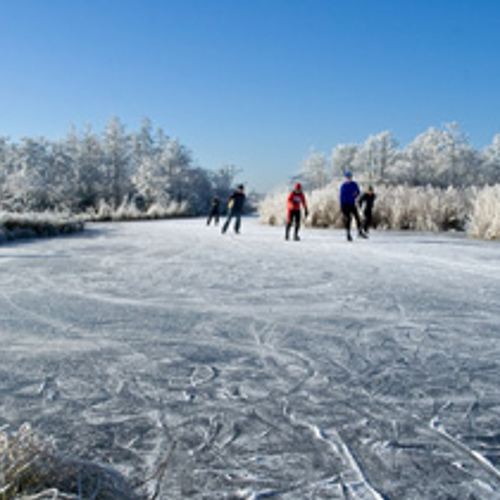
349 192
235 209
214 211
365 202
295 200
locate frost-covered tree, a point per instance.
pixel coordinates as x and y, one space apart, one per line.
61 178
89 165
314 171
491 162
165 177
176 160
343 158
5 171
117 162
200 191
223 180
377 156
459 159
27 181
143 144
442 157
4 153
417 164
104 173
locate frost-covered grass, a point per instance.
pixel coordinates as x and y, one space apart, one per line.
402 207
129 211
485 220
31 469
29 225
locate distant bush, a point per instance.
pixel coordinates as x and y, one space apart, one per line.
14 226
476 210
422 208
485 220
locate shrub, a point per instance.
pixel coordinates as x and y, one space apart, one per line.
485 219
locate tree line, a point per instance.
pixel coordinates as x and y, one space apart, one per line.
439 157
86 170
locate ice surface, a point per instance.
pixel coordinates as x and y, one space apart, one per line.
318 369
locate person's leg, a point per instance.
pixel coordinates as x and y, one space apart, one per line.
237 223
288 224
346 213
367 221
228 221
296 216
355 214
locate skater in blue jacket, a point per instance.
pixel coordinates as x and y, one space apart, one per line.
349 192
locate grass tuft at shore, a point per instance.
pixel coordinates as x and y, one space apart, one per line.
15 226
32 470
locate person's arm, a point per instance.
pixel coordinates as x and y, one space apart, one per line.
361 200
304 204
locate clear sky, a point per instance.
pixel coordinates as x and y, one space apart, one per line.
255 83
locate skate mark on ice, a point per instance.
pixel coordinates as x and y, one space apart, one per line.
436 426
354 482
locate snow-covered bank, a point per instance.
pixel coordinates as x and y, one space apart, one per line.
313 369
15 226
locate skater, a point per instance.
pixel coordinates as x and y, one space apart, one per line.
235 208
295 199
214 211
365 202
349 192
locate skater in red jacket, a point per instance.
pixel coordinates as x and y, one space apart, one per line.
296 199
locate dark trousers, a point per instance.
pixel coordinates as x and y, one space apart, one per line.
214 214
237 223
367 220
293 220
350 211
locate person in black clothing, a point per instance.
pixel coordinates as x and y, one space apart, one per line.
366 201
214 211
349 193
235 209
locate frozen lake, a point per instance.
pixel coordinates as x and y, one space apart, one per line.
294 370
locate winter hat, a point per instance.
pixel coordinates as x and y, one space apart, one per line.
298 186
348 175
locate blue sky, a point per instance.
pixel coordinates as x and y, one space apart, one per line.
255 83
